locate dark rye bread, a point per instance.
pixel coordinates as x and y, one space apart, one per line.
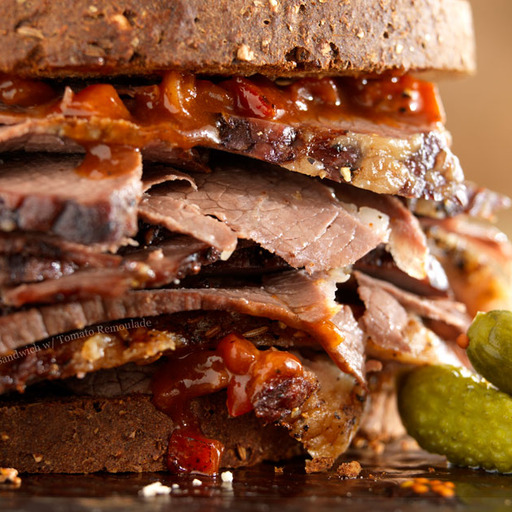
123 434
272 37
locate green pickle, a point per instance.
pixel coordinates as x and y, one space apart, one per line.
490 347
454 412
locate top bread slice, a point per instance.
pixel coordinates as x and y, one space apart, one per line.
286 38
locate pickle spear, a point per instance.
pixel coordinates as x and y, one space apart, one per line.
490 347
455 413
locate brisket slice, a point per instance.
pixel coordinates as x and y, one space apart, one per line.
407 242
392 321
300 301
450 312
368 155
180 217
44 193
124 434
297 218
153 266
30 256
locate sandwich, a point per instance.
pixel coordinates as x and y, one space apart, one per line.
226 228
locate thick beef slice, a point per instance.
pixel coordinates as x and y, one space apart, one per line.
296 218
44 193
407 242
368 155
298 300
394 327
178 216
113 275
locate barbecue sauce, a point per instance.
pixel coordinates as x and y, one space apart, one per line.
99 100
107 161
188 105
236 365
22 92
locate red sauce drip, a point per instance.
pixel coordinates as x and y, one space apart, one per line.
190 452
237 365
249 99
24 93
104 161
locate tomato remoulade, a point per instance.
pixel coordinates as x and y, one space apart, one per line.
235 365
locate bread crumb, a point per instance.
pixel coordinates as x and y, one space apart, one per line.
30 32
278 470
121 21
349 469
9 476
37 457
244 53
346 174
325 49
226 476
319 464
274 5
154 489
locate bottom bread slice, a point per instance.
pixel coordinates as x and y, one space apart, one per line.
123 434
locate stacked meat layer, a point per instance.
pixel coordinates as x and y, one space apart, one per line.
144 225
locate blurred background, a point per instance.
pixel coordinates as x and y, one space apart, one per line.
479 108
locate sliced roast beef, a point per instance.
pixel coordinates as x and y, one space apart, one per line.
31 257
392 321
176 215
298 219
407 242
155 266
103 282
45 193
300 301
368 155
380 264
449 312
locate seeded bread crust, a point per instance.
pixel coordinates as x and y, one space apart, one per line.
271 37
123 434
